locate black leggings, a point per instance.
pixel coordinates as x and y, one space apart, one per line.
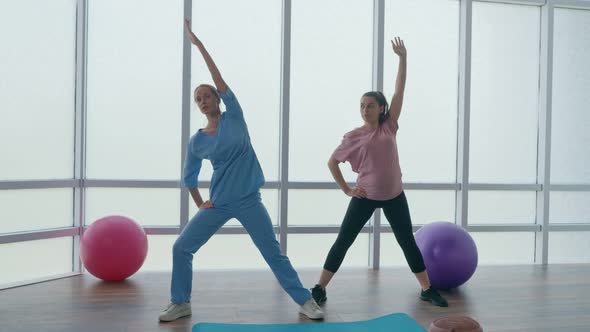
359 211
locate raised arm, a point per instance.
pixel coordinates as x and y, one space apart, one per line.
215 74
395 107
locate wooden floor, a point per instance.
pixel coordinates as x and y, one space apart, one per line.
507 298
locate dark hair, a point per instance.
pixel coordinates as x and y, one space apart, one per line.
212 88
382 101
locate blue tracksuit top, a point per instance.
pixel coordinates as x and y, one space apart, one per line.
236 170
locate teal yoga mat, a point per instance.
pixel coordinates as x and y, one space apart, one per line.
391 323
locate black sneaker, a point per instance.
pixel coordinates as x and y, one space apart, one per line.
319 294
433 297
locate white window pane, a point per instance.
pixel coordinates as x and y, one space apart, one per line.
569 207
311 250
331 61
502 207
504 248
428 122
229 251
504 93
570 137
270 199
245 43
144 205
390 252
569 247
23 261
37 89
159 256
134 89
317 207
427 206
206 168
35 209
221 252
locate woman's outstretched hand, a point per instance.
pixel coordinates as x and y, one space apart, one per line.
192 37
398 47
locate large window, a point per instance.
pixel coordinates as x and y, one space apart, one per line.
329 208
570 138
505 247
502 207
134 89
504 93
37 81
36 259
569 207
310 250
32 209
331 43
91 123
569 247
146 206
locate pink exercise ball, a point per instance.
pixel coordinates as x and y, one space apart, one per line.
113 248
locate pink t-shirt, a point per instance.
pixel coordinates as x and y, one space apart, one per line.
372 153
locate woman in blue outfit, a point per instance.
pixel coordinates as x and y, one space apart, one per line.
235 193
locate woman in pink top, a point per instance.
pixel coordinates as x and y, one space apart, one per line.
372 152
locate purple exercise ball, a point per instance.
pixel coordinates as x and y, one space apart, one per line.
449 252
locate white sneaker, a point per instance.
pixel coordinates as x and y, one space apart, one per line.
312 310
175 311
